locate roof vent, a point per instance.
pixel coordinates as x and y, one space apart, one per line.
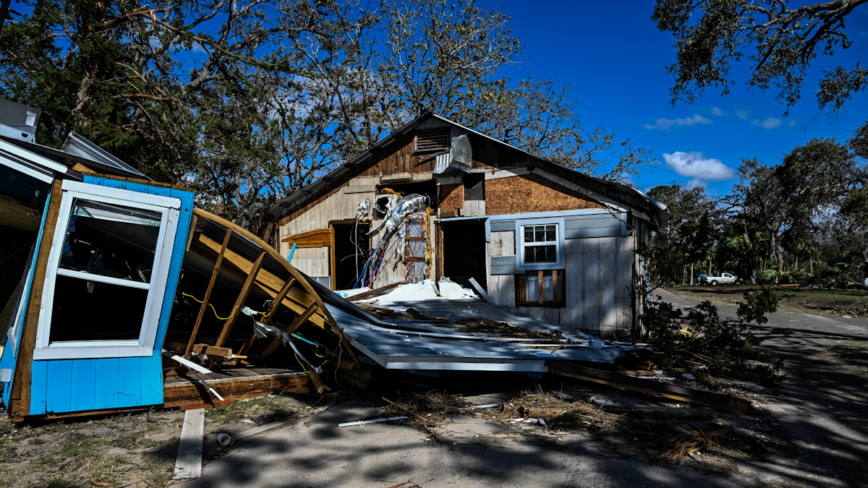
18 121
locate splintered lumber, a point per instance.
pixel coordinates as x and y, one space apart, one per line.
663 390
375 292
666 413
295 300
189 462
207 298
225 352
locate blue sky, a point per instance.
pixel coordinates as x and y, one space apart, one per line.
615 60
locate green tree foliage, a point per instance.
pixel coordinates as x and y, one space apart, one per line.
779 38
723 345
247 101
690 235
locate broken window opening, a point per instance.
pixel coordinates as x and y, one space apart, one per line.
106 276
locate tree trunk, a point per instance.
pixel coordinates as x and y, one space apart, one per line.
811 266
691 274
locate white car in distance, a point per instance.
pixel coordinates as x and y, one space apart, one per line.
723 279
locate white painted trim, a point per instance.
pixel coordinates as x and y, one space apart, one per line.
102 279
507 173
580 189
520 265
32 157
186 362
149 201
35 173
144 346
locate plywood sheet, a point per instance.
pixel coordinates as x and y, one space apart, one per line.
451 199
531 193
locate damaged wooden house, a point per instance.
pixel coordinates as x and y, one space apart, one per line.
436 199
118 293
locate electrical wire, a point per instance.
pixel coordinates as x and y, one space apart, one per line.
212 307
373 273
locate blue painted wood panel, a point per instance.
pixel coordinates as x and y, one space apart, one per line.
83 381
98 384
38 384
58 393
10 354
106 384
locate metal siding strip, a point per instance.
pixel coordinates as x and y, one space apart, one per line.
589 285
83 384
589 223
38 385
129 384
106 383
58 394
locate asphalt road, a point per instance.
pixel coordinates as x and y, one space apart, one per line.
830 430
832 442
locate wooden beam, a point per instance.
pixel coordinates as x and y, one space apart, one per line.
14 214
21 380
314 238
263 277
207 298
376 291
239 302
333 260
225 352
294 272
192 231
235 271
664 390
192 394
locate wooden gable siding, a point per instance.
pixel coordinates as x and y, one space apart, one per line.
338 204
73 385
531 193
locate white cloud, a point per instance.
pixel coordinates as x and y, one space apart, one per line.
791 123
768 123
742 114
717 111
695 165
695 183
666 124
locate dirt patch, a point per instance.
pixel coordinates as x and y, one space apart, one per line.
135 450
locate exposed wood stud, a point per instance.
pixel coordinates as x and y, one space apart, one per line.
207 298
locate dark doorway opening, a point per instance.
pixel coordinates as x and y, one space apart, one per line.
464 251
351 249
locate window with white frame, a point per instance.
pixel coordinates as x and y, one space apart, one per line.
539 244
107 273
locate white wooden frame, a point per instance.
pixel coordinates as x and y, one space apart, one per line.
144 345
520 265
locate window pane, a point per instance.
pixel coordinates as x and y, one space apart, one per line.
532 290
550 233
111 240
528 233
90 311
540 254
540 233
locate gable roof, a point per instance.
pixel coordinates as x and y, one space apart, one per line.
618 192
